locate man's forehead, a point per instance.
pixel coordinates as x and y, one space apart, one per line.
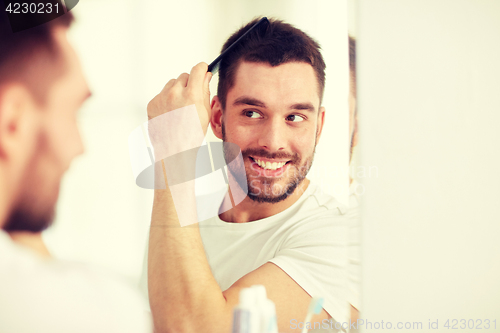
246 67
73 80
260 78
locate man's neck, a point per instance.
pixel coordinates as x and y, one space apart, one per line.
5 202
249 210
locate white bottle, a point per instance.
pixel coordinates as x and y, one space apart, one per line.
246 315
267 309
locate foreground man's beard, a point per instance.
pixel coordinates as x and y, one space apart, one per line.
31 212
24 219
271 191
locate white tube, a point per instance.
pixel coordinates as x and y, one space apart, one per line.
246 315
267 310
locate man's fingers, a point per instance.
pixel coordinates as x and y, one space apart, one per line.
183 79
169 85
206 84
208 78
197 76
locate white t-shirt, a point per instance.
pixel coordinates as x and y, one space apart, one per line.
354 246
47 295
307 240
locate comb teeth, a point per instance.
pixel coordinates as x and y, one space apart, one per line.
214 68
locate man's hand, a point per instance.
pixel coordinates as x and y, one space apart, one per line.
186 90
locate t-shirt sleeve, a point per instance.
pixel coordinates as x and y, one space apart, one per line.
354 255
314 254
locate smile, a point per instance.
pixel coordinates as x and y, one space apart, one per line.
268 165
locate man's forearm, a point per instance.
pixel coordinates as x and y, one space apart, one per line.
183 293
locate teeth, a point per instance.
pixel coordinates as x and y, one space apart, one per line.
269 165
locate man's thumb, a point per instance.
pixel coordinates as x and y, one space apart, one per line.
208 78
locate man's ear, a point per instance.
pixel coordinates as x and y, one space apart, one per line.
216 120
354 139
321 121
17 121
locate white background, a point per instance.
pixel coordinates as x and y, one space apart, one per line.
428 92
129 50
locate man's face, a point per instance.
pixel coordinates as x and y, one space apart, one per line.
273 115
353 116
58 142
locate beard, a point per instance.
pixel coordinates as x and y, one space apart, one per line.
25 219
33 211
270 190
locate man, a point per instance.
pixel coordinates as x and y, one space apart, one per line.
353 111
352 216
41 89
286 234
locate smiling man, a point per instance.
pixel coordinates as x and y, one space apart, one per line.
286 234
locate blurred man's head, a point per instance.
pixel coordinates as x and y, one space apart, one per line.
41 89
353 111
269 103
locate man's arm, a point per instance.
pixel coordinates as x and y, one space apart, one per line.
184 295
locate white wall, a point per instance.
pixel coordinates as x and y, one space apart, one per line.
429 83
129 50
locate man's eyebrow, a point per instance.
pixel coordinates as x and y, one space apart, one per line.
245 100
303 106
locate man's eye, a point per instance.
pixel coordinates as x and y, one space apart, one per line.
252 114
295 118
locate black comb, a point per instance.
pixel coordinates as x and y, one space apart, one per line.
214 66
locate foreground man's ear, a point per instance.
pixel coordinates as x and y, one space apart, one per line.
216 120
19 127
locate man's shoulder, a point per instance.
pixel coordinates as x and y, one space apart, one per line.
316 200
318 212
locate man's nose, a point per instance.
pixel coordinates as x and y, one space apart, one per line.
273 135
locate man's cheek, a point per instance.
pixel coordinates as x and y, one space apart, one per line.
53 147
310 144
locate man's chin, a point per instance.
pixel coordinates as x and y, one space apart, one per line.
272 193
24 220
266 198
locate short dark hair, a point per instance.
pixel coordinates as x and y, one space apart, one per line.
35 47
279 43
